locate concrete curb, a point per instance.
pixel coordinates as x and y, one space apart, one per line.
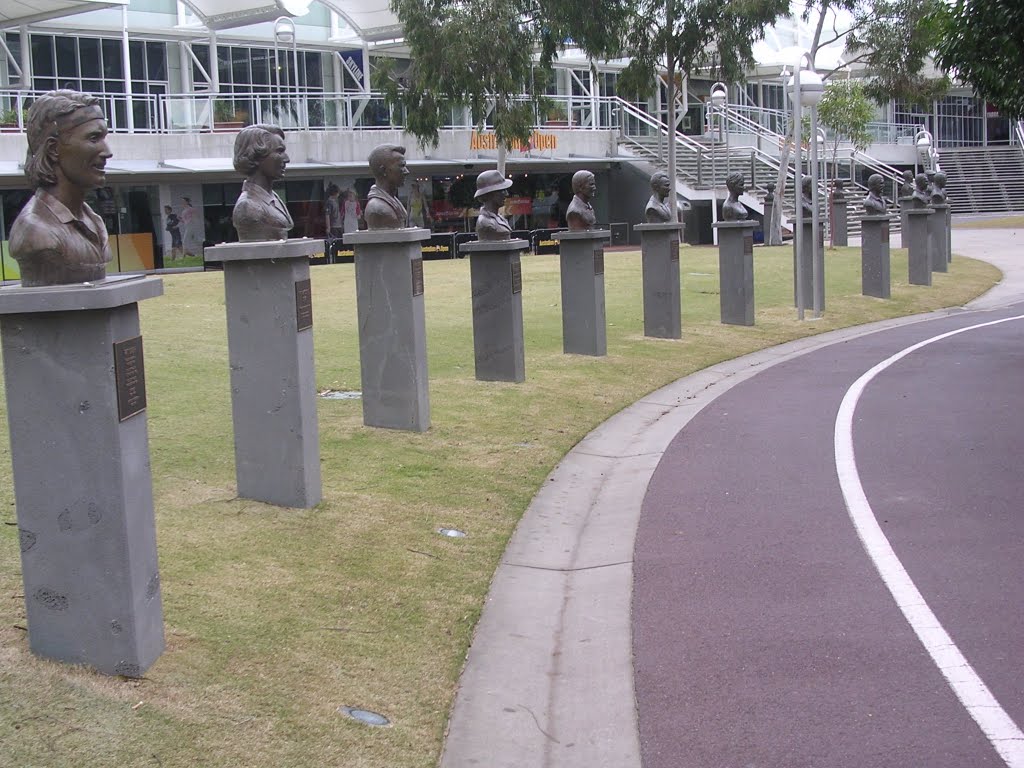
548 680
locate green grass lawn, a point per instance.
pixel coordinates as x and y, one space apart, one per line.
275 617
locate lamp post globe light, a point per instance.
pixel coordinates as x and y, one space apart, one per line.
805 90
719 99
925 149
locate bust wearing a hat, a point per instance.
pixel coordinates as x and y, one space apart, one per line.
491 191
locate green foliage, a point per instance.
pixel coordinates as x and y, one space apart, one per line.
482 56
718 34
846 111
981 43
893 39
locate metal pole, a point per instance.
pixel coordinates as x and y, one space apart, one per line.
817 271
714 179
126 52
798 234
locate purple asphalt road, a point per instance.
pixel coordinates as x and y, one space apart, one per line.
763 635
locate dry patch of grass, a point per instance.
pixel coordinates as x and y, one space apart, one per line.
276 617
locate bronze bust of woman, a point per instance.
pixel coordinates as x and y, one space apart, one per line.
57 238
260 156
492 191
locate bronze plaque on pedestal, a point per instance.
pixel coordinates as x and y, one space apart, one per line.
885 232
417 277
748 244
303 305
673 250
517 276
599 261
129 378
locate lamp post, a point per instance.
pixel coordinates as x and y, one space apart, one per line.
926 148
719 97
806 89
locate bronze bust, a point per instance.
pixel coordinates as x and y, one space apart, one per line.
580 215
657 211
939 188
383 208
806 197
261 157
732 208
57 239
922 191
491 191
907 188
874 203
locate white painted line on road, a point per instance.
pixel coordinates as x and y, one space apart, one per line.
994 722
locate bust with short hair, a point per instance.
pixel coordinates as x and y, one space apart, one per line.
939 188
57 239
383 208
732 208
492 191
907 187
874 203
261 157
922 191
807 197
580 214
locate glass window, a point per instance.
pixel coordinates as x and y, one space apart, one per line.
156 61
66 50
89 55
137 58
113 66
42 56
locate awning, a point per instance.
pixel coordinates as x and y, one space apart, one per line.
14 13
371 20
225 14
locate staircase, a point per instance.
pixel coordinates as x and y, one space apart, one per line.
984 179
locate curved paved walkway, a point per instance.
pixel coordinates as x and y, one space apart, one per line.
549 680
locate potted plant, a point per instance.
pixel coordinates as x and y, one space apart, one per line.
558 116
226 117
9 121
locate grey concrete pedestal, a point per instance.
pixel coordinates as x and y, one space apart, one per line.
736 271
659 244
76 400
938 237
906 205
918 257
840 221
581 255
875 274
496 279
273 380
392 327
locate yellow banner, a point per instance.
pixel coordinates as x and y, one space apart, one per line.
538 141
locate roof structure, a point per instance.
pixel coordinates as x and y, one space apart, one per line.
225 14
15 13
371 20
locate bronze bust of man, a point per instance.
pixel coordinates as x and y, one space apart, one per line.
922 191
57 239
874 203
657 211
939 188
491 191
260 156
732 208
806 197
580 215
907 187
383 208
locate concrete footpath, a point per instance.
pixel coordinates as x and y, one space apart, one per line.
549 680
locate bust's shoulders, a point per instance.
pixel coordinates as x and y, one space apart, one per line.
34 228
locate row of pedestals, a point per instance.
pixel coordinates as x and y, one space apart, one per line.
76 396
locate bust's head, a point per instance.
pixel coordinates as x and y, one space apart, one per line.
388 166
875 182
584 185
66 133
260 148
735 184
921 181
660 183
491 189
939 179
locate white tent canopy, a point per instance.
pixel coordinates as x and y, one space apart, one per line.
371 20
225 14
14 13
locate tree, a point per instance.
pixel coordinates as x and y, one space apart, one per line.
688 36
891 40
981 44
483 56
846 111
